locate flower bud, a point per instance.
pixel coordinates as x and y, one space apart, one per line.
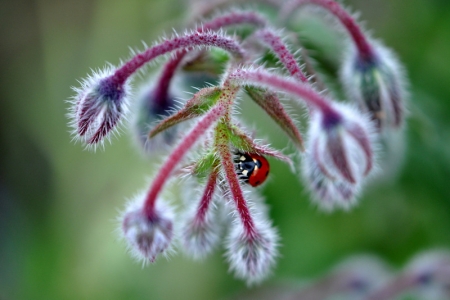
98 107
377 84
339 156
430 272
147 237
199 238
201 227
251 257
327 192
354 278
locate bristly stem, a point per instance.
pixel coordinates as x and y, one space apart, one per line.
176 156
276 82
229 19
161 92
283 54
226 159
207 196
364 48
182 42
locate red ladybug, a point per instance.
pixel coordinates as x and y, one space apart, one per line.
252 168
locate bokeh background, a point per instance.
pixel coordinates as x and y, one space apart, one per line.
58 203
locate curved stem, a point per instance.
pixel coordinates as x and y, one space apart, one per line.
284 55
207 197
360 40
276 82
229 19
226 159
186 41
161 93
176 156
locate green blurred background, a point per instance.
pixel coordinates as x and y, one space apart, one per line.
58 203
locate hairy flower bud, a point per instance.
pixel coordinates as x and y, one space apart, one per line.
201 228
147 237
199 238
327 192
354 278
377 84
339 156
251 257
98 107
427 276
430 273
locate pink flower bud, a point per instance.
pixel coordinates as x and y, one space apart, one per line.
377 84
201 228
339 156
147 236
98 107
328 193
252 257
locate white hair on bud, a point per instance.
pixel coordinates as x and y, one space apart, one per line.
200 237
252 257
147 238
88 91
391 79
330 190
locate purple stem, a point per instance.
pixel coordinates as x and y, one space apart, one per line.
284 55
176 156
161 93
233 182
186 41
276 82
233 18
207 197
365 49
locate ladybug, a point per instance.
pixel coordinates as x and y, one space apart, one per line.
252 168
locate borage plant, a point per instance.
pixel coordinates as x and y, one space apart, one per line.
337 159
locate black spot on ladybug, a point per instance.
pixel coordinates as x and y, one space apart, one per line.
252 168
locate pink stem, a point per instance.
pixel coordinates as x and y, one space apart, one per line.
161 92
186 41
207 197
176 156
235 187
233 18
276 82
364 48
280 49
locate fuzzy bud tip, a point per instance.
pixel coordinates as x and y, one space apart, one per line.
98 107
148 237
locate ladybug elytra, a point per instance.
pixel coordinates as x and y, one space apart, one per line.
252 168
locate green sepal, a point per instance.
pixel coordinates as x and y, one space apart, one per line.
202 101
202 168
273 107
241 141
